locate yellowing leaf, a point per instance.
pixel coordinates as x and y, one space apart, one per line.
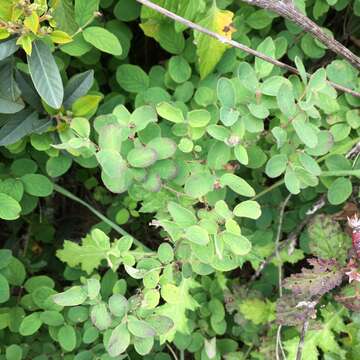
60 37
4 34
86 105
210 50
25 41
32 22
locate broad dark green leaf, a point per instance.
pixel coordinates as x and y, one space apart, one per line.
7 48
78 86
45 74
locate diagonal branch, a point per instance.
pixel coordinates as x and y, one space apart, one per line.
235 44
287 10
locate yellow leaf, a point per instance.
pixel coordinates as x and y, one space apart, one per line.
60 37
151 28
210 50
32 22
4 34
86 105
25 41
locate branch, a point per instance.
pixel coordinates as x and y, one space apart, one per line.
288 11
117 228
235 44
302 340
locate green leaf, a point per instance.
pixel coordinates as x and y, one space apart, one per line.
111 162
5 258
197 235
241 154
210 50
14 352
164 147
250 209
78 86
165 253
64 15
140 328
285 99
95 247
179 69
57 166
127 10
143 346
267 47
238 244
74 296
4 289
30 324
100 316
37 185
15 272
247 76
310 164
35 282
276 165
119 341
7 48
305 131
9 208
67 337
339 191
45 74
132 78
20 125
237 184
198 118
142 157
226 92
86 105
161 324
327 239
199 184
52 318
85 10
170 112
182 216
103 40
118 305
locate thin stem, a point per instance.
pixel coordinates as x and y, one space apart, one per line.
117 228
277 254
173 353
234 43
182 355
302 340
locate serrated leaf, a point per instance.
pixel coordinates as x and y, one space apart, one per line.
323 277
327 240
95 247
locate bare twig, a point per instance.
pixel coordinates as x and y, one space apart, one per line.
173 353
302 340
288 11
235 44
277 254
292 238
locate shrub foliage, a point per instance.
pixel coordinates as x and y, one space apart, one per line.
164 195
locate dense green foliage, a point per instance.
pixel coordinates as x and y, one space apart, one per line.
148 171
